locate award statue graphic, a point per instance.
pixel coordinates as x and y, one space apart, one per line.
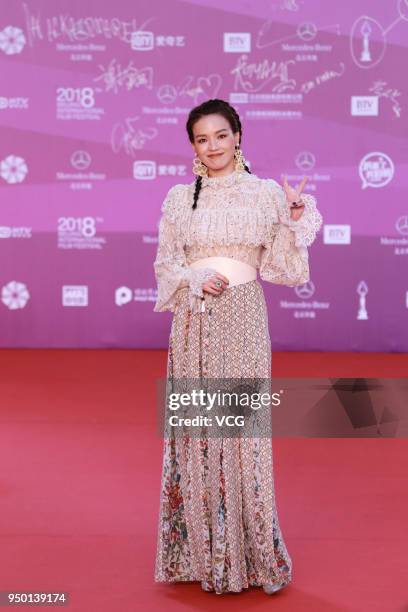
362 291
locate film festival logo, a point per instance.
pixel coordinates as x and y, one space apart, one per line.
13 169
15 295
12 40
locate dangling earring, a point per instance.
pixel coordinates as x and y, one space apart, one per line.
199 168
239 160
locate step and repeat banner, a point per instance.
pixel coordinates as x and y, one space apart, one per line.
94 97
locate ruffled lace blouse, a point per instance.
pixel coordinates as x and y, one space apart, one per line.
238 215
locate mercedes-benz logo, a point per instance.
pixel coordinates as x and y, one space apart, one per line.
305 291
306 31
305 160
401 225
81 160
167 94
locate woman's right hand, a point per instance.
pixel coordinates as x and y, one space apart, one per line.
210 286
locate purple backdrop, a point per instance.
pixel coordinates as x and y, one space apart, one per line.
93 102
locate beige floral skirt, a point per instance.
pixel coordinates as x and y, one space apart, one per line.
218 520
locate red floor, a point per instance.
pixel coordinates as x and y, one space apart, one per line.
80 477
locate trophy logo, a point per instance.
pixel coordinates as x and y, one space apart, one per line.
365 31
362 291
368 41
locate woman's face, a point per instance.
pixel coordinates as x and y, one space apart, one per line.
214 143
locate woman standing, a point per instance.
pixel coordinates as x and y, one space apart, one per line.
218 520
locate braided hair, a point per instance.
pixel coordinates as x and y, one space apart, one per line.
209 107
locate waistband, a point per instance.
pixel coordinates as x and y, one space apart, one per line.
237 272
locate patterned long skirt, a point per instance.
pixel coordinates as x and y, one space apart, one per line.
218 520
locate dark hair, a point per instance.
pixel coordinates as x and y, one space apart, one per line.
209 107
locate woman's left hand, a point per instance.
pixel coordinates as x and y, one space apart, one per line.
293 195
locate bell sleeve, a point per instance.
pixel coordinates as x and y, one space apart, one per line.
285 257
170 266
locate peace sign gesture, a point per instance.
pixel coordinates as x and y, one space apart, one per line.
293 197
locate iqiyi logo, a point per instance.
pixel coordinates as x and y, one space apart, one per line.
13 169
142 41
12 40
15 295
144 170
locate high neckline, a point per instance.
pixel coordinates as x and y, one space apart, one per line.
222 181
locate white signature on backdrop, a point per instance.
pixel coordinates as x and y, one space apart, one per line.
114 76
252 77
196 88
378 88
130 138
78 28
322 78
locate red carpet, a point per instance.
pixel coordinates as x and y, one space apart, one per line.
80 478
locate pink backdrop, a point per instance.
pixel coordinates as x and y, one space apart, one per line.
93 102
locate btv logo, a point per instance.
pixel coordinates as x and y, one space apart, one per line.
337 234
237 42
364 106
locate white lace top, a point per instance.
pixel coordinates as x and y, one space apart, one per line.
238 215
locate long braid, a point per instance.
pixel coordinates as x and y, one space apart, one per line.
223 108
198 183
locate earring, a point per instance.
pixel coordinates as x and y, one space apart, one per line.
239 160
199 168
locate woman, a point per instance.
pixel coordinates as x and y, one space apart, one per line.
218 520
